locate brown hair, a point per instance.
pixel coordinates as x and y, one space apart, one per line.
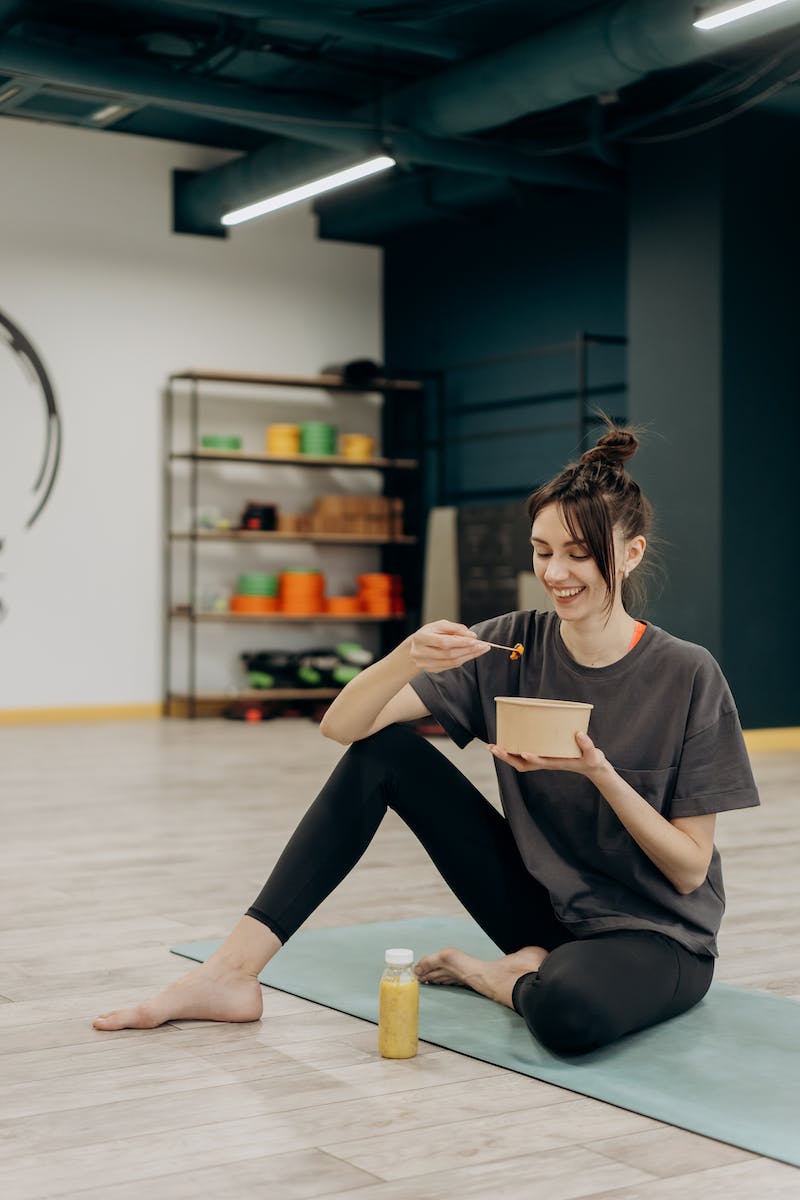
596 495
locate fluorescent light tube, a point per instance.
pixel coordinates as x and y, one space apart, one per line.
735 14
109 113
315 188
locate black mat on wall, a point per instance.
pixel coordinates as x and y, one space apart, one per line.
493 546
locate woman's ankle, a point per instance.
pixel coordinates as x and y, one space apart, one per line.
247 949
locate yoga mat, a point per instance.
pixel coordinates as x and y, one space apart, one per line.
728 1069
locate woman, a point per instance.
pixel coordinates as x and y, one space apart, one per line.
601 884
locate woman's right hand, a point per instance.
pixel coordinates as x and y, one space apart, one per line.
442 645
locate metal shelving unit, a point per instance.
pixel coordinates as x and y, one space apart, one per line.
576 389
332 539
399 553
189 613
309 460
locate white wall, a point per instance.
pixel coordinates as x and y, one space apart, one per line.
113 302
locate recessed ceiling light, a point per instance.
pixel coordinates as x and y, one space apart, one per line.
111 112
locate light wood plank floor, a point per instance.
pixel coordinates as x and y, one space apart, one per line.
121 839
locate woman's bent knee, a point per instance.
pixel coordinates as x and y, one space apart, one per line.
389 736
386 764
394 745
395 749
561 1013
590 993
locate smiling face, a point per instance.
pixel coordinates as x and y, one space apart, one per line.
568 571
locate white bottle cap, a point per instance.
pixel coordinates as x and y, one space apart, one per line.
399 958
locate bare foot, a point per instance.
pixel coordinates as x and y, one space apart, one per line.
211 992
495 978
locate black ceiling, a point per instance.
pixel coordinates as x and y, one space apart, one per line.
475 99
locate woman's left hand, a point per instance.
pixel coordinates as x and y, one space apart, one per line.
590 763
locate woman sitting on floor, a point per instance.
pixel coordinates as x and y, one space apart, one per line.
600 883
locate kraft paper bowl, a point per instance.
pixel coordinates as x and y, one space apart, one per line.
543 727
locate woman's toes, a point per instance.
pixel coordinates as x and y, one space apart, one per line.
110 1020
104 1021
434 962
445 966
140 1017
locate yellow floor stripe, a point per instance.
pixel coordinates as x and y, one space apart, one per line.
92 712
755 739
772 739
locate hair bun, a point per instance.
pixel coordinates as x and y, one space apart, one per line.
613 449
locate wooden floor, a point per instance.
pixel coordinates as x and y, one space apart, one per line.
119 840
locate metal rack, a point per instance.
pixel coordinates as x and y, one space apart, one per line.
399 554
576 389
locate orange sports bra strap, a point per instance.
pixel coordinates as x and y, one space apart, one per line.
637 633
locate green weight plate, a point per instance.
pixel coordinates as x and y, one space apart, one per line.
219 442
354 654
344 674
260 679
257 585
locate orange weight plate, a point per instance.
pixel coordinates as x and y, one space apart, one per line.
253 604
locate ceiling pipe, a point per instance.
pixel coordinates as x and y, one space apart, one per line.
391 205
202 198
597 52
600 51
281 165
318 21
121 79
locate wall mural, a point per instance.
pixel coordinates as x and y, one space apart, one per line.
24 388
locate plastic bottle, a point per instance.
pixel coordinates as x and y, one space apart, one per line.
398 1007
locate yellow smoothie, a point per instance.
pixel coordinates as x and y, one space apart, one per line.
398 1019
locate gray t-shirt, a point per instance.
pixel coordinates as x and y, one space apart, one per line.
666 721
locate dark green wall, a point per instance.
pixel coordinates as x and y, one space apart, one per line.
699 264
674 374
714 369
761 407
495 284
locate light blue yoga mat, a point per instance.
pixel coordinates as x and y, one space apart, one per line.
728 1069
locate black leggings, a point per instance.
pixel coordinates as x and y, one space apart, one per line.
588 991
